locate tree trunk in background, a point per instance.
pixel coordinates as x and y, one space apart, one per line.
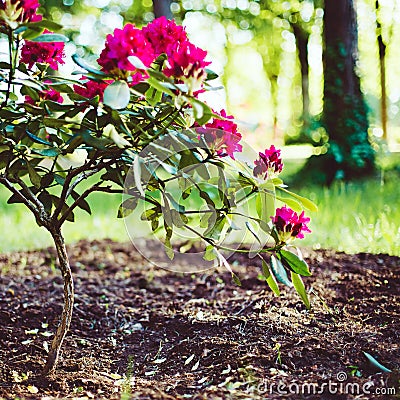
382 58
350 153
302 46
162 8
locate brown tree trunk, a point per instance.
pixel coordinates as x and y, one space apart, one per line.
302 42
162 8
66 315
382 58
350 154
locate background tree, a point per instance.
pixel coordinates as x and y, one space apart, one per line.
350 153
162 8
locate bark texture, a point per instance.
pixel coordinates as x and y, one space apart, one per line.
162 8
345 111
66 315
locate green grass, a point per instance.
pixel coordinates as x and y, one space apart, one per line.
355 217
20 232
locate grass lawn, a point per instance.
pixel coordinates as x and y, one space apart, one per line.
354 217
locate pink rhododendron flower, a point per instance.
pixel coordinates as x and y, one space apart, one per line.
187 64
92 89
126 42
164 34
289 225
51 53
269 163
48 94
222 136
19 11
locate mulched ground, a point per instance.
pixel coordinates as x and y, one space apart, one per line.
143 332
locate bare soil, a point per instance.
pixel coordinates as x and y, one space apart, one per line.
142 332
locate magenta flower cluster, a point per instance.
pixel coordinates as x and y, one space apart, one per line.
90 89
269 164
289 224
51 53
221 135
185 62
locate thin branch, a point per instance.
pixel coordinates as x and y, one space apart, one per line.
94 188
79 179
31 196
8 184
71 174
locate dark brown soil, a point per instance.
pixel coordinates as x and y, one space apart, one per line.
142 332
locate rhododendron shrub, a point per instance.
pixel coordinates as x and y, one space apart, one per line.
134 124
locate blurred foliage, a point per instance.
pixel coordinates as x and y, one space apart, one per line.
264 33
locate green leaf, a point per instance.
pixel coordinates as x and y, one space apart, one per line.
14 199
265 204
236 280
59 179
163 87
308 204
37 139
251 230
117 95
32 93
167 244
51 37
43 24
137 62
210 253
300 289
279 271
33 175
375 363
202 112
214 231
83 64
211 75
292 203
53 152
82 203
294 263
127 207
45 199
270 279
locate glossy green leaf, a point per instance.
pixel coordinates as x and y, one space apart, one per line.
300 289
83 64
127 207
292 203
51 37
33 176
82 203
45 198
308 204
117 95
270 279
293 262
279 271
236 280
210 253
164 87
376 363
53 152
